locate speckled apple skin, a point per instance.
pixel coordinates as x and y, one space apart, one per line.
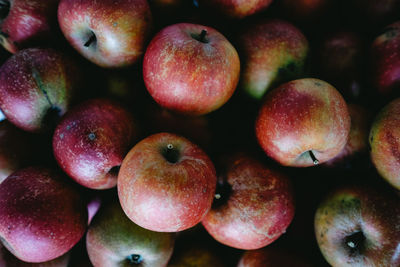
187 76
93 138
384 139
112 237
271 51
299 116
121 28
352 209
33 81
41 216
385 53
237 8
28 23
258 210
163 196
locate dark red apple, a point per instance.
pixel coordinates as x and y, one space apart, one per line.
110 33
41 216
237 8
91 141
191 69
306 10
303 122
166 183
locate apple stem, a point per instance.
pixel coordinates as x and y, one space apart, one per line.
203 36
91 40
217 196
134 259
313 158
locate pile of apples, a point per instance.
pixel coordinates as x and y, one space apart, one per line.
200 133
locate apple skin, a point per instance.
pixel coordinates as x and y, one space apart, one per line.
91 141
34 83
271 51
357 226
195 256
120 28
112 238
255 210
306 10
383 140
166 183
301 116
237 8
41 216
187 75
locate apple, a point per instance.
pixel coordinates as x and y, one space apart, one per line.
114 240
166 183
190 69
195 256
91 141
41 216
237 8
36 88
303 123
358 226
253 204
271 51
27 23
109 33
383 140
306 10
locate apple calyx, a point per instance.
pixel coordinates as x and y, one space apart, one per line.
92 39
171 153
313 158
355 242
4 8
134 259
201 37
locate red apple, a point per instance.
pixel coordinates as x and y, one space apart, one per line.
303 122
191 69
254 206
36 85
237 8
41 216
114 240
110 33
91 141
166 183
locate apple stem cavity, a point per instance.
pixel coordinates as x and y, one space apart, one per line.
201 37
355 242
134 259
223 191
92 39
313 158
170 153
4 8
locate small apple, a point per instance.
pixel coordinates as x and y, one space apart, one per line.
237 8
166 183
190 69
303 123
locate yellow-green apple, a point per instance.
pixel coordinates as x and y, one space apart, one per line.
36 87
109 33
190 68
271 51
27 23
237 8
41 215
384 141
253 204
113 240
194 255
303 122
358 226
91 141
166 183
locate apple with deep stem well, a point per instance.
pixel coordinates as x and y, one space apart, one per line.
237 8
166 183
91 141
303 123
190 69
41 215
109 33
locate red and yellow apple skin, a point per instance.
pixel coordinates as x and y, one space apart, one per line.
357 226
237 8
91 141
113 240
34 82
41 216
189 73
109 33
166 183
256 210
384 141
300 117
385 63
272 51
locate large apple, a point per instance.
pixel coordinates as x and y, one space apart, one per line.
36 87
358 226
166 183
191 69
114 240
41 216
237 8
303 122
110 33
253 207
91 141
